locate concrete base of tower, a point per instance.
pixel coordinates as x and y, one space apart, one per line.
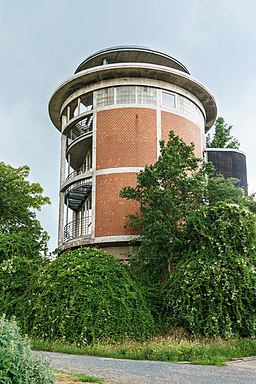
121 252
121 249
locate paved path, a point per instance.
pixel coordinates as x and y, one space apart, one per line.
151 372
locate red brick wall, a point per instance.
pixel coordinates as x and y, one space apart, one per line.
126 137
182 127
111 209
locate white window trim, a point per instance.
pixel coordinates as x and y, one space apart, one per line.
168 93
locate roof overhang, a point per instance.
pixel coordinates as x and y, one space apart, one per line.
130 54
141 70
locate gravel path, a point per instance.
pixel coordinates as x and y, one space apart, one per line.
151 372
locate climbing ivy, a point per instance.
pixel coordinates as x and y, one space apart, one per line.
86 295
15 279
212 289
222 227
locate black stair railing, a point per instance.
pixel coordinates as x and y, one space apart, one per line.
83 127
83 169
78 228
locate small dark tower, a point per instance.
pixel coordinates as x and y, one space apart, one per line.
230 163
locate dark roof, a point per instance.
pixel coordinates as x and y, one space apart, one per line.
130 54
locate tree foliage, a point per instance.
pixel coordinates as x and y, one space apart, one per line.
85 295
205 227
212 290
221 189
16 274
167 192
222 136
20 231
223 227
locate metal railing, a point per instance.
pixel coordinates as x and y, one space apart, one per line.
83 127
78 228
79 171
76 194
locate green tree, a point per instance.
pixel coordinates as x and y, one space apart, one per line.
221 189
20 231
167 192
222 136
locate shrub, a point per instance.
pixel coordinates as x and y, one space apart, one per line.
17 362
222 227
15 278
86 295
213 296
212 290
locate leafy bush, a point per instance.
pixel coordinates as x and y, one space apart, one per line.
213 296
222 227
212 290
86 295
15 278
17 362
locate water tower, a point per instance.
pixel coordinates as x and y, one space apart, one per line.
111 114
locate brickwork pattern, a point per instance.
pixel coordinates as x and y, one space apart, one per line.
111 209
182 127
126 137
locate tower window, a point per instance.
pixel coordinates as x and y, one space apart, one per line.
168 100
105 96
126 95
146 95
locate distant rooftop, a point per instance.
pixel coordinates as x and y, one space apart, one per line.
130 54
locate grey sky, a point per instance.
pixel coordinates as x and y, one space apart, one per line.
43 42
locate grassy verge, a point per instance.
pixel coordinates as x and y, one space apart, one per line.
69 378
202 351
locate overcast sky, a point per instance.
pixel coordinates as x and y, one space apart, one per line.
43 42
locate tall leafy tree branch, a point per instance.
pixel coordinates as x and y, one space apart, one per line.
167 192
20 231
221 137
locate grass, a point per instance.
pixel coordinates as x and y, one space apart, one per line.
200 351
74 378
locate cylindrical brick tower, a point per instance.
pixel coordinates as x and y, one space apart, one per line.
112 113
